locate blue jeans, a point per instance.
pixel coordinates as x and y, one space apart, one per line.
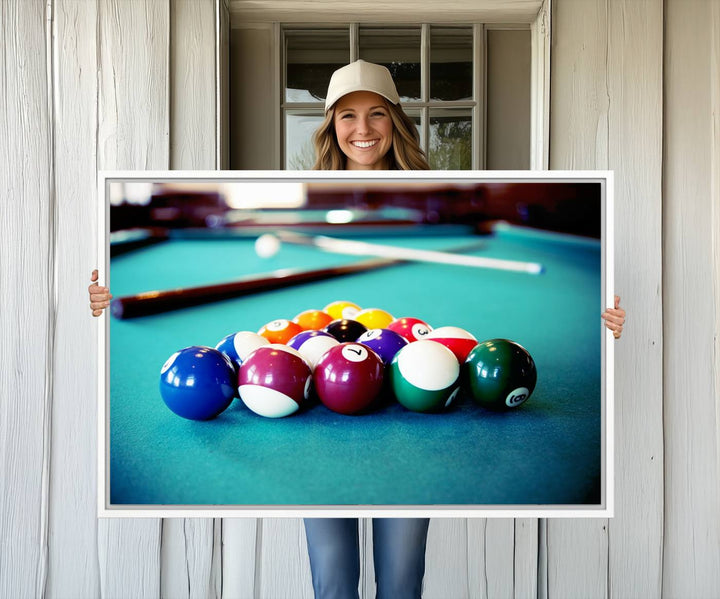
398 551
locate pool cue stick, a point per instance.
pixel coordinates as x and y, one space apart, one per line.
362 248
153 302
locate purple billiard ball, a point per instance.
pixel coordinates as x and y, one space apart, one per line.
197 382
384 342
348 378
274 381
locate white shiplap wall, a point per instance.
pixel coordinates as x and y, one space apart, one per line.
606 113
73 542
191 549
119 84
133 133
691 274
27 302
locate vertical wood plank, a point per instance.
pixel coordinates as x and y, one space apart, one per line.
692 402
526 558
579 97
577 551
448 559
577 559
715 194
187 558
72 548
222 17
133 134
284 565
540 89
239 557
133 127
635 89
190 567
193 85
27 298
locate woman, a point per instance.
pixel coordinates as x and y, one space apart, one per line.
365 129
364 122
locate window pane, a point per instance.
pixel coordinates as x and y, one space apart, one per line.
299 149
414 115
450 139
451 56
311 57
399 50
508 100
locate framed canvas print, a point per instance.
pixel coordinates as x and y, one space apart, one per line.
388 344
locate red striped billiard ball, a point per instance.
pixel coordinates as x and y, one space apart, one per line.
348 378
457 340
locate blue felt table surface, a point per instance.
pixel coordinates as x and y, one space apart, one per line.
546 452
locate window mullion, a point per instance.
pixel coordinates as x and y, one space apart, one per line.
479 113
425 85
354 41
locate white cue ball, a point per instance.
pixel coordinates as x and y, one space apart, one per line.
267 245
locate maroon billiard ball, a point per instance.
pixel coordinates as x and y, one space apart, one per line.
274 381
348 378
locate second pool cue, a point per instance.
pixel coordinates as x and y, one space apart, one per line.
362 248
154 302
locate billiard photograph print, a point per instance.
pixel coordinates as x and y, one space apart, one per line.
313 343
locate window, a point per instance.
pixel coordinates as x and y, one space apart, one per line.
437 71
468 88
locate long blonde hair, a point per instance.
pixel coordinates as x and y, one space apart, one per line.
405 154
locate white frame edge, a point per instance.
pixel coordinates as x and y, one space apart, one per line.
438 511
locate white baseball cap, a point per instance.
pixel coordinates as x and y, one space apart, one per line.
361 76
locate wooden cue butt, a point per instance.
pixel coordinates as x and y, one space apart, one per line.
156 302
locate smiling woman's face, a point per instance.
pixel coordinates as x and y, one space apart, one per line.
364 130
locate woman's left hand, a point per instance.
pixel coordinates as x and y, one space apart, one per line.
615 318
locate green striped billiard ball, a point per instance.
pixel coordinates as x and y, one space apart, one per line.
424 376
499 374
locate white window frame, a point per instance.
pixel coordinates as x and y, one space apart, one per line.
476 106
538 20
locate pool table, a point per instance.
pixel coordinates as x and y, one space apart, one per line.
548 452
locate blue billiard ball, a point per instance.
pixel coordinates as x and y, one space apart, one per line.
237 346
198 382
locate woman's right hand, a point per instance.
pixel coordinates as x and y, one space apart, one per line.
99 296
